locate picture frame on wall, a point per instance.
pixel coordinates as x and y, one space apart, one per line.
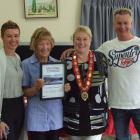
41 8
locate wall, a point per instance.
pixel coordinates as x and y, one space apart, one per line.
62 27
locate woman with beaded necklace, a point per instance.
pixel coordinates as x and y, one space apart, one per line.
85 105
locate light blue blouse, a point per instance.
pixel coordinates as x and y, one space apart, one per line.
41 115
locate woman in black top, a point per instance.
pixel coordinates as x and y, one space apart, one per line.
85 106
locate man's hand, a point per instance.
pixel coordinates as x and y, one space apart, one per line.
66 54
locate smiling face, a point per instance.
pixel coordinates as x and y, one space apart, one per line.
43 48
123 25
11 39
82 42
42 43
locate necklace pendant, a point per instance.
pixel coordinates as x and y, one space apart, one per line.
84 95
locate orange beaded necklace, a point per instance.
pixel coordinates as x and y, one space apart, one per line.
84 85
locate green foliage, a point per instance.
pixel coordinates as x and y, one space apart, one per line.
34 6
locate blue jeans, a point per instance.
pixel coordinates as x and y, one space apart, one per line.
121 122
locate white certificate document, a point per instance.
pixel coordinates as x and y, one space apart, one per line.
54 77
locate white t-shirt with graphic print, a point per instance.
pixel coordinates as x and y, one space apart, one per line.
124 72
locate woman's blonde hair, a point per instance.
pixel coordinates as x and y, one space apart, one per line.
40 34
84 29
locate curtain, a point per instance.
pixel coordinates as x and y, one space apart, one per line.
98 15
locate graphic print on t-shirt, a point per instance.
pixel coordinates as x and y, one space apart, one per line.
124 58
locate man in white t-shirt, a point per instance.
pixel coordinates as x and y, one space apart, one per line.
123 79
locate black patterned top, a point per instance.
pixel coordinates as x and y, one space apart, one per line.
83 118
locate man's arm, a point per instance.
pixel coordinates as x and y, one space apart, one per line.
66 54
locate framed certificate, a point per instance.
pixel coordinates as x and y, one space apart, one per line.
54 77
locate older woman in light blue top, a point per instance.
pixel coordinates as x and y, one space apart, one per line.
43 117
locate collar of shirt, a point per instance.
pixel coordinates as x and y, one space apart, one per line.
34 59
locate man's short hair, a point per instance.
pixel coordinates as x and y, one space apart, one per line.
123 11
